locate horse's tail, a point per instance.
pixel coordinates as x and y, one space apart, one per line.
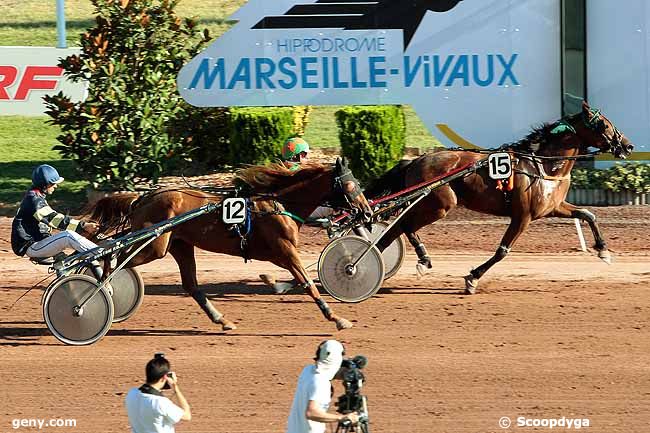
113 211
389 182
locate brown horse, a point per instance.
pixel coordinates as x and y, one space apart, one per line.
542 164
273 236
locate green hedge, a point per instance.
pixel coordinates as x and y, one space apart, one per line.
372 138
632 176
257 134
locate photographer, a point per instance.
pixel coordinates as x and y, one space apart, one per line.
148 409
314 392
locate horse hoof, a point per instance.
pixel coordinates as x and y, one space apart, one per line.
471 284
605 256
342 324
227 325
421 269
282 288
268 279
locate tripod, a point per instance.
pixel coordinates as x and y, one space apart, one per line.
347 427
361 426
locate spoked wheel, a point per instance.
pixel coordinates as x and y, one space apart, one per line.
66 321
343 280
393 254
128 292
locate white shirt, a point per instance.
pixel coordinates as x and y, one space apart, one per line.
311 386
151 413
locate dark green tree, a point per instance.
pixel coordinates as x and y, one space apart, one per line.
130 128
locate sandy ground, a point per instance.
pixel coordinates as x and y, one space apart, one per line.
553 333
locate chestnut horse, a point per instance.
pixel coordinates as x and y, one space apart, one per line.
541 163
273 236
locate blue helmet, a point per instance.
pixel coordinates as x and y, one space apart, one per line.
45 175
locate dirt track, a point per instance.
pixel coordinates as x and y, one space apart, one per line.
554 332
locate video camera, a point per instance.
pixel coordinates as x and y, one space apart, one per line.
352 400
353 378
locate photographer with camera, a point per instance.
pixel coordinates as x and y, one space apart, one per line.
314 392
148 409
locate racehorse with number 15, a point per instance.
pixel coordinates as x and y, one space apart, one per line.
541 166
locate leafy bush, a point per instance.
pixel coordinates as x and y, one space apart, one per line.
628 177
372 138
129 128
257 134
586 178
631 176
205 132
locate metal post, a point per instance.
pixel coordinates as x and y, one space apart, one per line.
581 236
60 24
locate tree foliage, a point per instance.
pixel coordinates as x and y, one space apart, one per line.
131 127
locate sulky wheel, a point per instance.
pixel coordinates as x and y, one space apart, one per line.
343 280
393 254
128 292
66 321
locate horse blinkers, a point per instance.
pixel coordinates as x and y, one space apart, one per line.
343 177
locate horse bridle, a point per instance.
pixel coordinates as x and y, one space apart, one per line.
340 179
596 122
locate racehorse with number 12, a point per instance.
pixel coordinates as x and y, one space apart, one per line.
273 235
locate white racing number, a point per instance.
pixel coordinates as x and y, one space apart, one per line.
234 210
499 166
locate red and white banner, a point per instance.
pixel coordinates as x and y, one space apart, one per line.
29 73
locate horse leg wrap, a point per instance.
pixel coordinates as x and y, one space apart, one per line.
304 286
324 308
207 306
420 250
502 251
584 214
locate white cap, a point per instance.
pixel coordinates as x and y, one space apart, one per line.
330 357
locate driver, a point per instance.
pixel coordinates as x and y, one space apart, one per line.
31 229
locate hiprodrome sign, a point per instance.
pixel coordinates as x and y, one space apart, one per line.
481 71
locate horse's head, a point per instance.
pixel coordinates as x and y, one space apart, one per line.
596 130
346 187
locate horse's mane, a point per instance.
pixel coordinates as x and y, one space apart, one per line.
391 181
538 137
111 212
276 176
534 141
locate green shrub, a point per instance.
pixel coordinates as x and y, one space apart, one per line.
257 134
129 127
586 178
631 176
372 138
205 131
